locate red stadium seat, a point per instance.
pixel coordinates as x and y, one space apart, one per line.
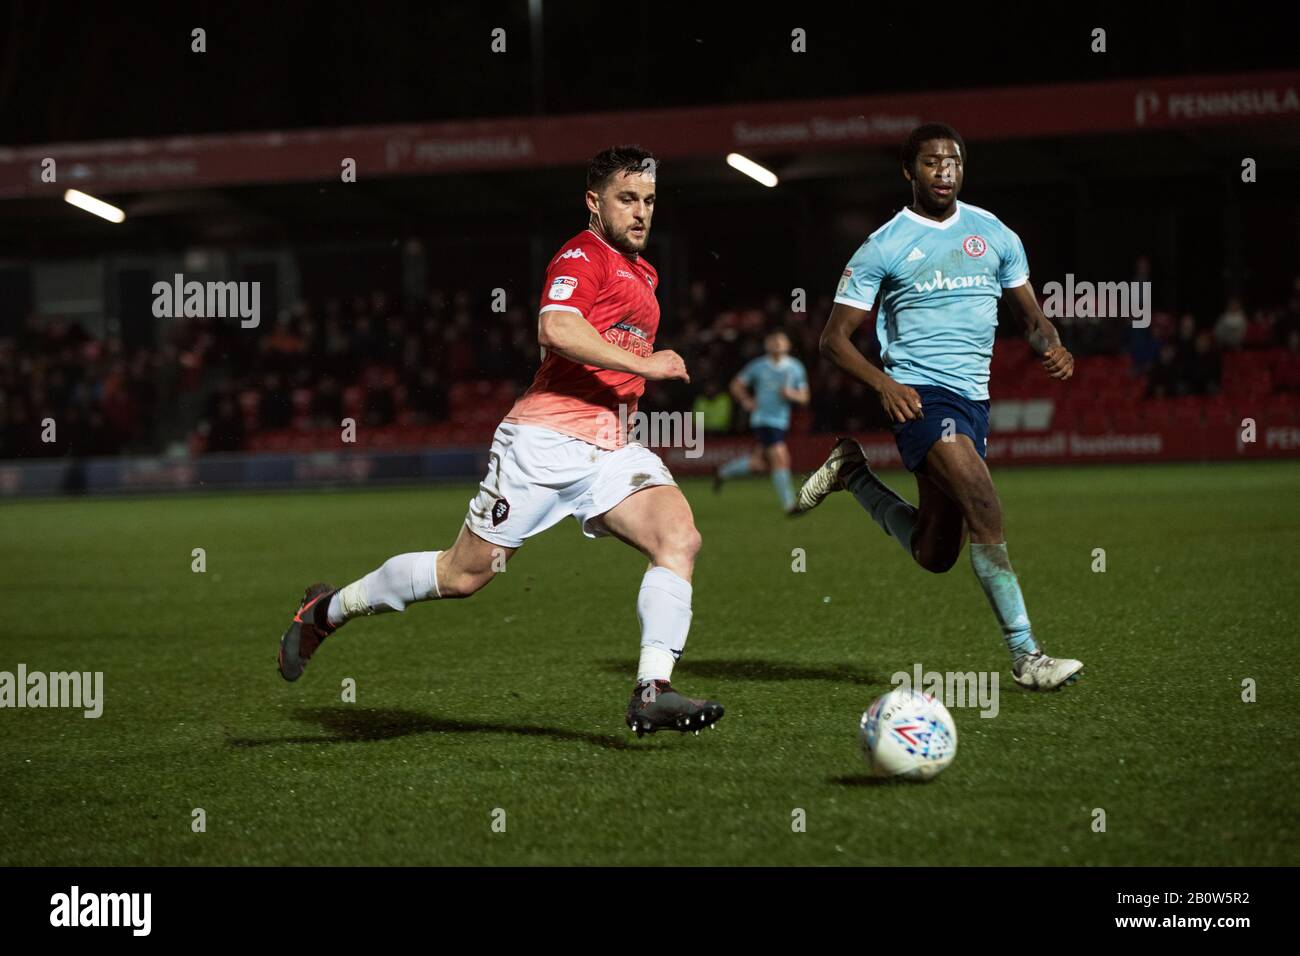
461 393
354 397
249 401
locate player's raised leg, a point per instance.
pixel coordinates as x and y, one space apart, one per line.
458 572
957 468
931 532
658 522
940 531
847 469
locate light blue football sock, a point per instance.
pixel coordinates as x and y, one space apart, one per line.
993 567
895 516
784 490
736 468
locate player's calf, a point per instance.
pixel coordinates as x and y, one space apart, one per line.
456 583
469 565
936 558
940 532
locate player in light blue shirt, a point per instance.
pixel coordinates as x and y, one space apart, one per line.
938 287
766 387
933 276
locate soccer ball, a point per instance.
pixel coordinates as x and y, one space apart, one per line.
907 734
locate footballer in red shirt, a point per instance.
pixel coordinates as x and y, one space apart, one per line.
562 451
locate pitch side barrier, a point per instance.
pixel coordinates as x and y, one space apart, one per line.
236 471
362 467
1053 447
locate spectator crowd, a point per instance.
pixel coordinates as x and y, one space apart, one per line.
385 362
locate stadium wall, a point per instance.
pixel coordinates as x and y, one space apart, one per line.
360 467
238 471
186 162
1054 447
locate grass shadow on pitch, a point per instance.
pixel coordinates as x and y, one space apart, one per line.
864 780
344 725
758 669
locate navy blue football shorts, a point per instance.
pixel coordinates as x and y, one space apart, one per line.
767 436
945 412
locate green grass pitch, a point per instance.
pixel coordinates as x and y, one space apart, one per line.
514 699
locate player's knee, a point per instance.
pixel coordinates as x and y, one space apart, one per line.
680 545
689 541
936 560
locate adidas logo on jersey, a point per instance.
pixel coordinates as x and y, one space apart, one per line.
915 254
941 281
574 254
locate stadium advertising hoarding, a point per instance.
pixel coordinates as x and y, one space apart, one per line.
366 466
1074 109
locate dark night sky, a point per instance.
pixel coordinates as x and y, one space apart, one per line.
94 71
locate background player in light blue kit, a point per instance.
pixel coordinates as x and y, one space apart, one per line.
933 275
765 388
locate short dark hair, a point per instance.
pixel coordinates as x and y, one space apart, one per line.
929 131
618 159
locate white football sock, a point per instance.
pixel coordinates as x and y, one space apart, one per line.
396 583
664 609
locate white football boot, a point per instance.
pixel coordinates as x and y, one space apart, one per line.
1037 671
844 458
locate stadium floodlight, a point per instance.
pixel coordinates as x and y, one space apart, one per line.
752 169
92 205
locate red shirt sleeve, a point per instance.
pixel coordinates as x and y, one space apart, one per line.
574 278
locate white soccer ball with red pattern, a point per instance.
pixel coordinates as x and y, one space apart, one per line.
907 734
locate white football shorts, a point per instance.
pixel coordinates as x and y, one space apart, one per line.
536 477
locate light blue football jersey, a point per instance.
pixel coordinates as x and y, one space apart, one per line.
938 284
765 379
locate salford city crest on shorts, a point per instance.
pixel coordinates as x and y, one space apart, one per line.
500 511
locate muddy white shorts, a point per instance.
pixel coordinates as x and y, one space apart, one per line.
536 477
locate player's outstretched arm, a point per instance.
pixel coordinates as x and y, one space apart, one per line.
1040 332
573 337
900 402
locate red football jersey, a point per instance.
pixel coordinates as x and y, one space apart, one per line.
616 294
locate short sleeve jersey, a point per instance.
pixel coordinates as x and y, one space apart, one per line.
766 379
616 295
938 285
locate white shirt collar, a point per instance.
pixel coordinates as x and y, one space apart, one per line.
950 221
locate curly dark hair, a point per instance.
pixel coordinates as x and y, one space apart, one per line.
928 131
618 159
